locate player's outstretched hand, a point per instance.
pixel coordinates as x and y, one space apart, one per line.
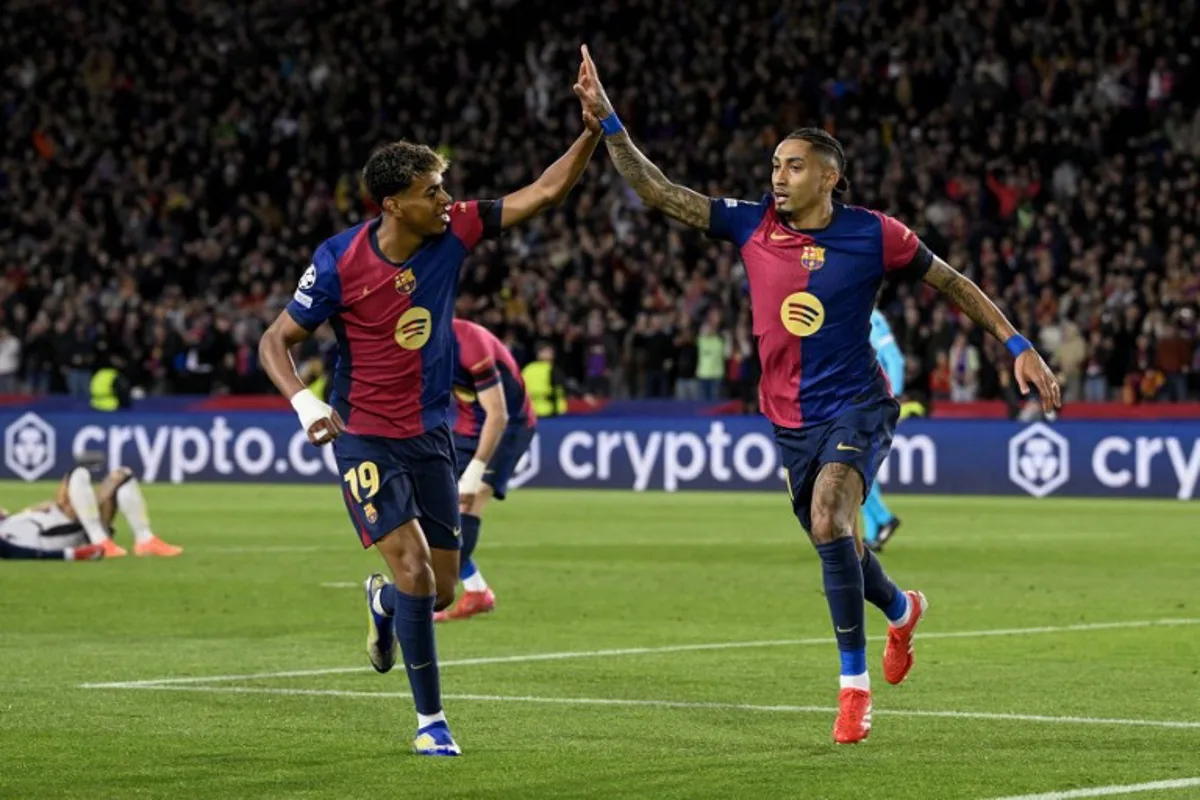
589 90
326 429
1029 368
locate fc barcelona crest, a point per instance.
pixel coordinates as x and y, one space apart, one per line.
406 282
812 258
372 514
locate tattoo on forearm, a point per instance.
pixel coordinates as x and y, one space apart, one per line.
690 208
970 298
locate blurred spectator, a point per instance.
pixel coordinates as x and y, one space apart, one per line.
710 358
10 361
964 370
941 384
687 385
1174 359
1071 355
168 168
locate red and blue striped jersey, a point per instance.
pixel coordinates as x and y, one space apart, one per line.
393 322
812 293
482 362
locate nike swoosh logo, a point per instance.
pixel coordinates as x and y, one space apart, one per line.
851 629
779 237
419 666
842 446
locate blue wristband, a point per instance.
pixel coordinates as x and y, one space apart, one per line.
611 125
1017 344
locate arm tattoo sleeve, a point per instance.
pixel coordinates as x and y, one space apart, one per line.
678 202
970 298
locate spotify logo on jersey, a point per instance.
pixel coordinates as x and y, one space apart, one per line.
414 328
802 314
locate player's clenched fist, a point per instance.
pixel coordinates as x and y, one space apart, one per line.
318 419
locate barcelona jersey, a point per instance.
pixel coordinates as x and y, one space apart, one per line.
482 361
812 293
393 322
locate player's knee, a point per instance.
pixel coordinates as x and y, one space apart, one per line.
828 525
412 569
120 475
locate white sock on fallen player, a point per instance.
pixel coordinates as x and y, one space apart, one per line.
475 583
133 507
856 682
83 501
424 720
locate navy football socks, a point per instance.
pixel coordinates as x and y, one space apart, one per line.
470 538
843 578
879 589
413 618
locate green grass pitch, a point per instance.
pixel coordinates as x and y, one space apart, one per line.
1028 678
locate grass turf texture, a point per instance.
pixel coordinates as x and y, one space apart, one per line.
594 571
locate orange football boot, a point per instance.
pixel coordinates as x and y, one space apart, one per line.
898 654
155 546
854 716
112 549
470 604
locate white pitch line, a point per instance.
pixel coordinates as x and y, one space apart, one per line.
341 585
637 651
1109 791
608 701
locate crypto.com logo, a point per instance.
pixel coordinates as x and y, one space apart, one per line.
29 447
1039 460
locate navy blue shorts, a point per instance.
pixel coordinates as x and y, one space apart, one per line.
504 461
388 482
860 437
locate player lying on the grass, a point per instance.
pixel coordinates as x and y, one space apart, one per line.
495 425
77 525
388 288
815 267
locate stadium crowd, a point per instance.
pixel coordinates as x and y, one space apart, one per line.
168 167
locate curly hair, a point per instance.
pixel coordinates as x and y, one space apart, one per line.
824 142
393 167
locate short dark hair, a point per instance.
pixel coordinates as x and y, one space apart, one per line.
825 142
393 167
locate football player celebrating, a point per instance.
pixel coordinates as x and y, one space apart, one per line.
387 286
815 267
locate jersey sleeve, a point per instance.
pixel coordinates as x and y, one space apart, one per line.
905 257
319 293
478 360
475 220
734 220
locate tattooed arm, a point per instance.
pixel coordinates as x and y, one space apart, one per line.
656 191
1028 367
678 202
970 298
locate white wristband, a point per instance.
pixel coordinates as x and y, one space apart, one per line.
309 408
472 477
